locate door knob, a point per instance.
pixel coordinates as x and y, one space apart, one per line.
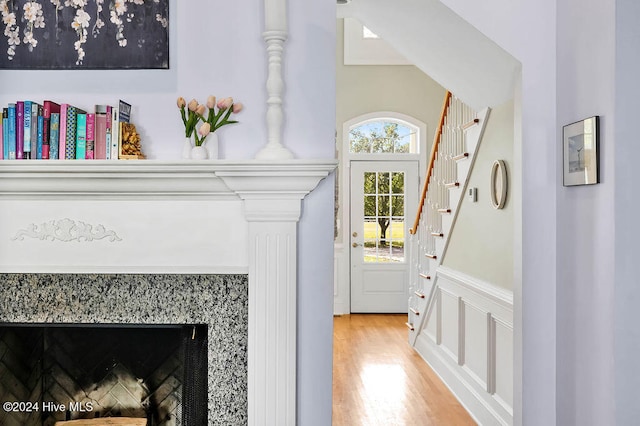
355 234
354 245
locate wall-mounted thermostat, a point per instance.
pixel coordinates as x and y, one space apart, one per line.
473 194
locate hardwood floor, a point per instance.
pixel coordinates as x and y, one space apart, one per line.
379 380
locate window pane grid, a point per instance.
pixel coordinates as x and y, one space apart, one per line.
384 217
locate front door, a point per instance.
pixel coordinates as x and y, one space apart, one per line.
383 193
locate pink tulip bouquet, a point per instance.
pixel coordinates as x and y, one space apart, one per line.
194 113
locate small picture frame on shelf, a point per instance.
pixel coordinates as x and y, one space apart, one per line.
580 152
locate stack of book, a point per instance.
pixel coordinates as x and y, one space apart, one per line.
51 131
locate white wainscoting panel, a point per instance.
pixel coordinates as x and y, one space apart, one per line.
449 317
504 364
474 333
432 329
467 339
341 304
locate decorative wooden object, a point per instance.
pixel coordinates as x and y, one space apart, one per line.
105 421
130 147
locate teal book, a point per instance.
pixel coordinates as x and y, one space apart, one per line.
71 128
40 134
81 136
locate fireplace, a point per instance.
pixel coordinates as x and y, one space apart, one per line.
60 372
91 242
169 348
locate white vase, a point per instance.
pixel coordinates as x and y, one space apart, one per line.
211 142
186 149
199 153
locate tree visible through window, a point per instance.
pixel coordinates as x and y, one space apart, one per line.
381 137
384 209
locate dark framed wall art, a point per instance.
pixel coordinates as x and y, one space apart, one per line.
580 152
84 34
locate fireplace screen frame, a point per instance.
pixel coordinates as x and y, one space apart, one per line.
54 372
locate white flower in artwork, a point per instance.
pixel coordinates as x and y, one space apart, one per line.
28 39
31 10
81 20
39 23
163 21
76 3
114 18
123 42
34 19
120 7
9 19
13 38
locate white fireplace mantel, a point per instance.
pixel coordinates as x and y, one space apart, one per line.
174 217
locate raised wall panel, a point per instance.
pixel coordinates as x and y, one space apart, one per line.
504 363
449 315
475 343
431 329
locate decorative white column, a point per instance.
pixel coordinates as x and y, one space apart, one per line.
272 197
275 35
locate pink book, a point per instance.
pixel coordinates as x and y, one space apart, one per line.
48 108
90 138
63 131
101 133
2 141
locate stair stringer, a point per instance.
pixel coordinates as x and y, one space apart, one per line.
472 140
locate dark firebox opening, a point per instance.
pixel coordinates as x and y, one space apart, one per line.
59 372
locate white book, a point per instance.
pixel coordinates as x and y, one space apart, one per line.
115 132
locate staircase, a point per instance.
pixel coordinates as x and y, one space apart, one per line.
455 145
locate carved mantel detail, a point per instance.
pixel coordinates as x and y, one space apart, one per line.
66 230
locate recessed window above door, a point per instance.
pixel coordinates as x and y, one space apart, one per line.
383 137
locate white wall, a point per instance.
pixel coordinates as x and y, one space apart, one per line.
627 232
585 214
217 48
481 243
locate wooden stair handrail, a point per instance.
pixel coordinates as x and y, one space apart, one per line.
432 159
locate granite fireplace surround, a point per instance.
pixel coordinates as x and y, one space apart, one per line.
151 242
218 301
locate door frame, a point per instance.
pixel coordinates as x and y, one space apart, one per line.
342 270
